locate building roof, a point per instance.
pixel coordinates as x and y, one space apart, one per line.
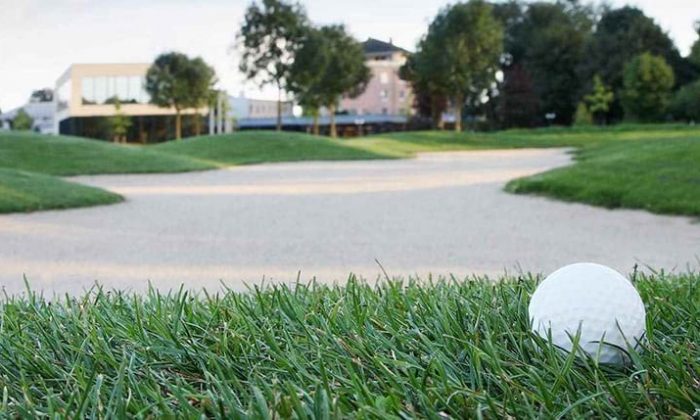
375 46
323 121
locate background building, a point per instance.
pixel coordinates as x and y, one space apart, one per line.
40 108
241 107
386 93
86 95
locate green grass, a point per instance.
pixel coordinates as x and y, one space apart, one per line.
398 350
651 167
64 155
660 176
25 192
250 147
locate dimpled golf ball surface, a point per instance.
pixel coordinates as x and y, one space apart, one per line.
600 300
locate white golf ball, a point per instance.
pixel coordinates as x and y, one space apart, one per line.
596 299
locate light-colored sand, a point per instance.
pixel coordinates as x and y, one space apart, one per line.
439 213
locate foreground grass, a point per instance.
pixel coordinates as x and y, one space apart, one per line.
398 350
248 147
64 155
25 191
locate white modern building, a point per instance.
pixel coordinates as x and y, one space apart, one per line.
40 108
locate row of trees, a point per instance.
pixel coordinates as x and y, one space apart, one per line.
528 64
318 65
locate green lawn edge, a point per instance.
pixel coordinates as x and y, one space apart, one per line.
397 349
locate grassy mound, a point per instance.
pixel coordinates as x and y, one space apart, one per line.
63 155
25 191
398 350
660 176
265 146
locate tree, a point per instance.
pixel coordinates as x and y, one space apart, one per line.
270 35
599 100
686 103
306 73
648 81
120 124
174 80
330 64
694 56
548 43
201 78
583 116
622 34
466 41
22 121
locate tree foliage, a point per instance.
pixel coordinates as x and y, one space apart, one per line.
329 64
549 41
599 100
120 124
622 34
270 36
685 104
174 80
648 81
22 121
694 56
460 54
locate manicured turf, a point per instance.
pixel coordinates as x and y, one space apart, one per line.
660 176
248 147
63 155
25 191
652 167
446 349
655 168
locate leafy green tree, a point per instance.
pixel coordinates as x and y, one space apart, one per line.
583 115
648 83
306 74
686 103
330 64
201 78
120 124
466 42
422 71
270 36
174 80
544 49
599 100
694 55
22 121
622 34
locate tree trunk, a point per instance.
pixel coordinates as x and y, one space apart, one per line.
178 124
459 101
334 131
436 115
315 127
279 107
197 123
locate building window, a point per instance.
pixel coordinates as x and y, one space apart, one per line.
383 78
402 94
385 111
102 90
384 93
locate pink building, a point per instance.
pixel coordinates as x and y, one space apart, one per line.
386 93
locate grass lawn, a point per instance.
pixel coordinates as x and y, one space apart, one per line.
64 155
398 350
248 147
22 191
652 167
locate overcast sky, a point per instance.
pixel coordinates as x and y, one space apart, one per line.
39 39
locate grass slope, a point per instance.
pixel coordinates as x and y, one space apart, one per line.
651 167
249 147
64 155
25 191
660 176
400 350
